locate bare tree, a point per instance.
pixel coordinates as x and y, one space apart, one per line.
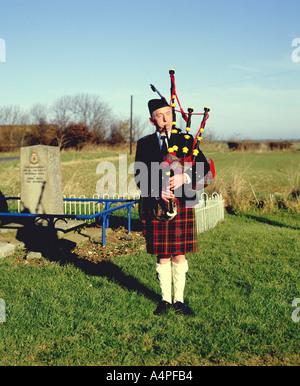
13 115
13 121
123 128
93 113
88 110
139 128
116 133
62 112
39 113
83 108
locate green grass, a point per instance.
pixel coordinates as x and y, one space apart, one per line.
241 286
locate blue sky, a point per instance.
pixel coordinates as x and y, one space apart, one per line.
232 55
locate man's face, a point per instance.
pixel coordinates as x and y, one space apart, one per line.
162 118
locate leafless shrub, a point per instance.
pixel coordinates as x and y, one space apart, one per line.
279 146
244 146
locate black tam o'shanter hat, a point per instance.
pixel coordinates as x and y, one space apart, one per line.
155 104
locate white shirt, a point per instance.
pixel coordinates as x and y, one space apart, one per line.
159 135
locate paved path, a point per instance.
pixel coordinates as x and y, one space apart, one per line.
9 159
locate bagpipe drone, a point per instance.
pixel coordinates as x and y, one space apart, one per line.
179 160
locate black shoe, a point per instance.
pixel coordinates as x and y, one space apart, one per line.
162 307
180 308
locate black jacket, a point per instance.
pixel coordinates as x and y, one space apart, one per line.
147 160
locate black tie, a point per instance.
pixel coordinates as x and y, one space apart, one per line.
164 149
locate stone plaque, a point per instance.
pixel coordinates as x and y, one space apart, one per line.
41 183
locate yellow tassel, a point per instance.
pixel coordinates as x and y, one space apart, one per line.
187 136
185 149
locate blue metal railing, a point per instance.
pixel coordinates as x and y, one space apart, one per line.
104 214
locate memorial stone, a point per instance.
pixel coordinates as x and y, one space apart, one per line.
41 182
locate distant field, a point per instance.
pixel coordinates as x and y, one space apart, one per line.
242 177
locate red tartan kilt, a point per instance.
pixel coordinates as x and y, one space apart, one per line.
174 237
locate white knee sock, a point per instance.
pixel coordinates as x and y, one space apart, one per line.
179 276
164 274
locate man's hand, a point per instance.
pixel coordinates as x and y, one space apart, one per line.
176 181
167 195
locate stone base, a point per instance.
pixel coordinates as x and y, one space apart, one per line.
6 249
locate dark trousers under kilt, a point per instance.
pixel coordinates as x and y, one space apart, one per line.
174 237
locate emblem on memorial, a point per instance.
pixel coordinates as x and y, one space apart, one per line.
34 159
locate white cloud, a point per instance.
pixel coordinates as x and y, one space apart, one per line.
244 68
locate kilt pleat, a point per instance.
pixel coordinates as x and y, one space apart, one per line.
174 237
